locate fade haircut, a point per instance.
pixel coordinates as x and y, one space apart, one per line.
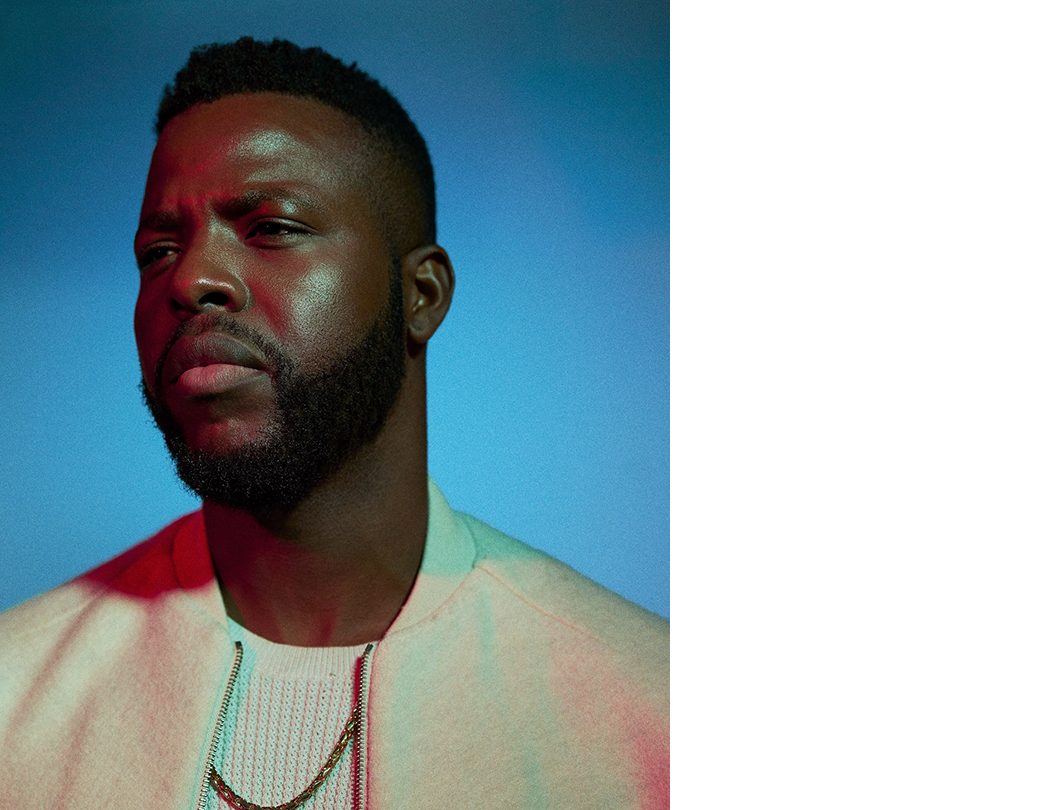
248 66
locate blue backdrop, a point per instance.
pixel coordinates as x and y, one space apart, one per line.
548 128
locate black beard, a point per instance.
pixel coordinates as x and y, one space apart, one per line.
323 419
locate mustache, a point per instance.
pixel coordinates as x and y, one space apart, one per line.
223 323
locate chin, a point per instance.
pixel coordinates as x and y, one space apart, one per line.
224 438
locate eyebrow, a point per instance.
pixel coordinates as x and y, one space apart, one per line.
160 221
249 201
234 207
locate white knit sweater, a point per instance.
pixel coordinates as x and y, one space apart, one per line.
287 710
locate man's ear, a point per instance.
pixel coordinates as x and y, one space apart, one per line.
428 282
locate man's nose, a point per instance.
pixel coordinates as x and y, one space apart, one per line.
207 278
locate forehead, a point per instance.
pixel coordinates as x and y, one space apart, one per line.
257 138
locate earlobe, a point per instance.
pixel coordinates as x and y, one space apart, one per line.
428 282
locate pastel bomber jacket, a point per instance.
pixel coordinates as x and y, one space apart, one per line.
508 680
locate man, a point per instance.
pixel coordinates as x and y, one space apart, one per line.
325 631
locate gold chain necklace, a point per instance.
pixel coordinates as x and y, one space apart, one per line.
348 734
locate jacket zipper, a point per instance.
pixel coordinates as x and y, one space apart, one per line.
224 702
361 740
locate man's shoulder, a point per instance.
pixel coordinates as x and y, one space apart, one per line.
142 570
564 596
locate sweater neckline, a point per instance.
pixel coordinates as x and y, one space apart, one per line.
287 661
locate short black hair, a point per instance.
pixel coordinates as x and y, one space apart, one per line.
248 66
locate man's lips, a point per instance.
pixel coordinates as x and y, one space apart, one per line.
209 362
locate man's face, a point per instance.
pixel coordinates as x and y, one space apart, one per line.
268 322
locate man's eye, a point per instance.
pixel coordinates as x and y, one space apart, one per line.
270 228
154 254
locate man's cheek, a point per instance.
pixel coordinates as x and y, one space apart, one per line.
328 310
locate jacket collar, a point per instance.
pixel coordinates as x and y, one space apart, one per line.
448 556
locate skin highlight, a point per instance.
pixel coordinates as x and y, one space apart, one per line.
261 208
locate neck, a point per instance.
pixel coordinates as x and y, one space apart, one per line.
335 569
